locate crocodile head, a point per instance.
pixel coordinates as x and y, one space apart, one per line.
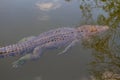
90 30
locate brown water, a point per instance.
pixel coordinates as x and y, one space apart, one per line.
24 18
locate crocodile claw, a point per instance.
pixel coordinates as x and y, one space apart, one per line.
18 63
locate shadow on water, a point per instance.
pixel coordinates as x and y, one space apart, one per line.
106 48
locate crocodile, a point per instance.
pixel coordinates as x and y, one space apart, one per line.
32 47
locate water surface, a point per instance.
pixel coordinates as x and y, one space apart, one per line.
23 18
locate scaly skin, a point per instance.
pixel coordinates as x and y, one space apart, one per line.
56 38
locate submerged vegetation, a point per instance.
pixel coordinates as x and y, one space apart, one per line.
106 49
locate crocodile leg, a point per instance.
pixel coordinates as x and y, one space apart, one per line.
33 56
27 38
68 47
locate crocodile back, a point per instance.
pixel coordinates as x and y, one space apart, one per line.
55 38
55 31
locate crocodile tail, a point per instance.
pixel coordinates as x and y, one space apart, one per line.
15 49
2 52
3 55
6 51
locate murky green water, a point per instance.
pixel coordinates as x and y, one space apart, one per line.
94 59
